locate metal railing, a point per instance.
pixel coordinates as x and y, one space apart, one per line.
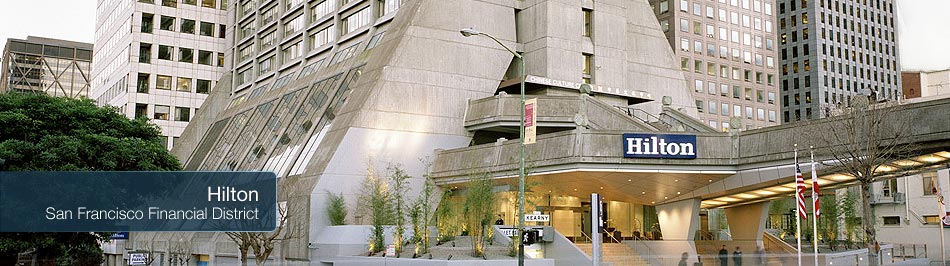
894 197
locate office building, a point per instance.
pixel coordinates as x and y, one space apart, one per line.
158 59
51 66
728 52
832 50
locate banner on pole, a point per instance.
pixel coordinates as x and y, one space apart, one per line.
530 120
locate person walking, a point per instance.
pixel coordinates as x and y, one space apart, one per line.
683 259
737 257
723 256
760 255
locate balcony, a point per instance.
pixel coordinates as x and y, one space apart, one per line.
889 198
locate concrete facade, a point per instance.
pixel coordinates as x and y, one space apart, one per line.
51 66
925 83
833 50
728 53
907 214
158 59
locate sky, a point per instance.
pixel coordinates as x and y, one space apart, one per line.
922 34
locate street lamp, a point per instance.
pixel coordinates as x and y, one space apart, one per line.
470 32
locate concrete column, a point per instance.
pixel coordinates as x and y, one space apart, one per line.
747 222
679 220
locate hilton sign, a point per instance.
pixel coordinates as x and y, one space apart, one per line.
659 146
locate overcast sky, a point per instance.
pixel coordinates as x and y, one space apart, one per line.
923 34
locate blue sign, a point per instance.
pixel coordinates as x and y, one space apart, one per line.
666 146
120 235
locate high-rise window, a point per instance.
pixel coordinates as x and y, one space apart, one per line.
222 29
322 9
293 25
184 84
205 57
928 179
161 112
388 6
246 29
164 52
588 22
292 51
246 7
289 4
207 3
187 26
141 110
220 59
245 52
322 37
163 82
203 86
182 114
167 23
266 65
267 39
189 2
148 22
356 20
170 3
145 53
207 29
186 55
268 15
142 83
588 62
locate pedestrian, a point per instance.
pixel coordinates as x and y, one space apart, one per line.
683 259
723 256
500 221
737 257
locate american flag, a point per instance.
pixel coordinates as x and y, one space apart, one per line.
800 191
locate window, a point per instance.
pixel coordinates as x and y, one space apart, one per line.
245 52
356 20
293 25
684 25
207 29
247 7
184 84
267 39
148 21
221 30
187 26
713 107
161 112
928 182
322 9
266 65
321 38
244 75
588 60
664 6
246 29
170 3
699 86
189 2
389 6
205 57
290 4
164 52
141 110
700 106
269 15
292 52
724 110
167 23
220 59
932 219
760 114
145 53
182 114
163 82
892 220
207 3
186 55
142 83
588 19
203 86
771 115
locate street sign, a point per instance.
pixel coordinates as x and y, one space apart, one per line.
120 235
138 258
390 250
537 218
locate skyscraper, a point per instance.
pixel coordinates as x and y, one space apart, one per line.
55 67
728 53
158 58
832 50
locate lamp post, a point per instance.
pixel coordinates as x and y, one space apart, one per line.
470 32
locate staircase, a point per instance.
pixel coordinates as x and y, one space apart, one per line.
615 254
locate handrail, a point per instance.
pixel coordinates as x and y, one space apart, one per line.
632 112
612 237
589 239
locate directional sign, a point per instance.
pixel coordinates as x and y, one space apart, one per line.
537 218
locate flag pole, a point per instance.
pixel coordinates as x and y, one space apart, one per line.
814 200
798 211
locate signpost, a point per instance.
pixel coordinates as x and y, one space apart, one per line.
595 223
666 146
537 218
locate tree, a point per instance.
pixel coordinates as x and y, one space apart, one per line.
376 201
44 133
862 140
421 214
399 179
290 212
447 219
477 211
336 209
851 218
828 221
